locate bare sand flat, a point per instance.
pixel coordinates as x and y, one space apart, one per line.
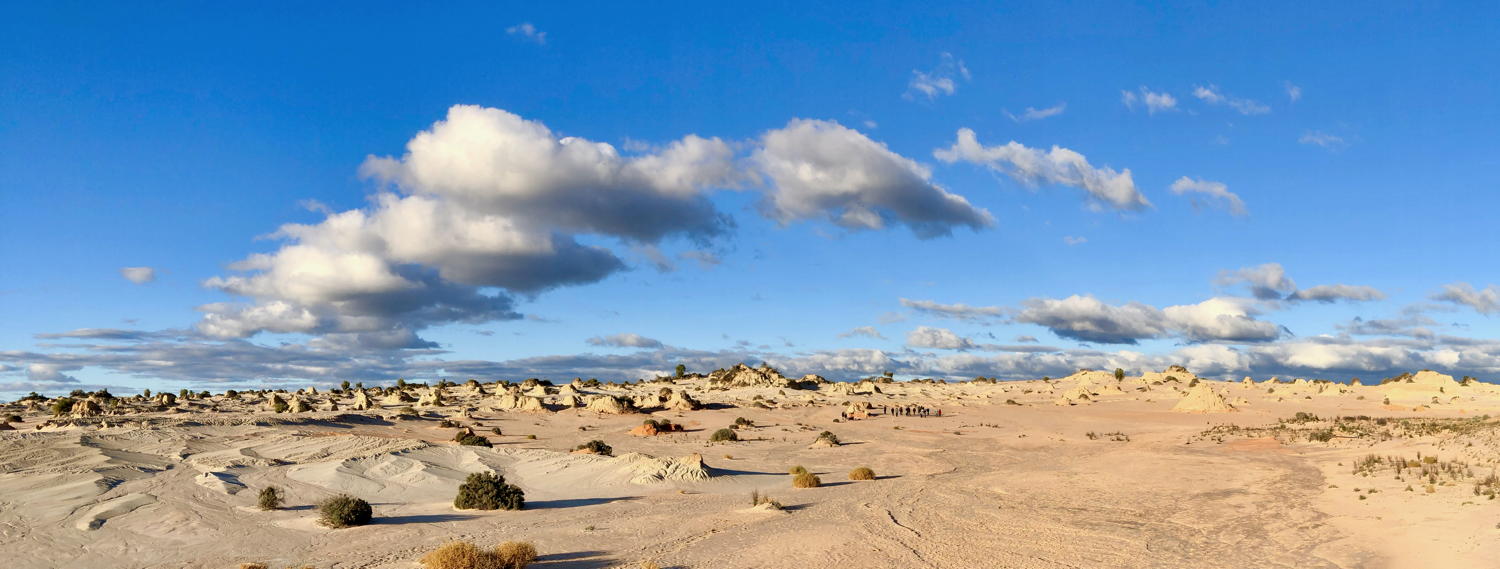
1162 470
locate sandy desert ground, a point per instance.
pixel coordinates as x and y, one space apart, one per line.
1159 470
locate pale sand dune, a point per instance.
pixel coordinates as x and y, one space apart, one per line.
988 484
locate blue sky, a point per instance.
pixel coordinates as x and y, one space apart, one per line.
777 180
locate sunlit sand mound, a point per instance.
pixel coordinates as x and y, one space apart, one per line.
1201 398
647 469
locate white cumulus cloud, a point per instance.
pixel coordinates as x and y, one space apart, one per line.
823 169
1032 166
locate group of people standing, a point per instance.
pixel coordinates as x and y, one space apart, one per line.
894 410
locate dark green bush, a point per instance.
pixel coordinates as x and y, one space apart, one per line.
344 511
723 435
597 447
468 439
488 491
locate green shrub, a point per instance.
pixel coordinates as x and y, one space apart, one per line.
743 422
280 406
723 435
344 511
597 447
466 438
862 473
830 437
488 491
270 498
62 406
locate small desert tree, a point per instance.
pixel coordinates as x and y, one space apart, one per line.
1119 374
681 370
270 498
488 491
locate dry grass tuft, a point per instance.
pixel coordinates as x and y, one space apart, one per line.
465 555
515 554
806 480
797 470
862 473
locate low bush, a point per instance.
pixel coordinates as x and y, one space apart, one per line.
597 447
862 473
722 435
795 470
662 425
488 491
830 437
344 511
270 498
466 438
743 422
806 480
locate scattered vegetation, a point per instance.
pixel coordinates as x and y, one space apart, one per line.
270 498
344 511
488 491
1357 429
1116 436
862 473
